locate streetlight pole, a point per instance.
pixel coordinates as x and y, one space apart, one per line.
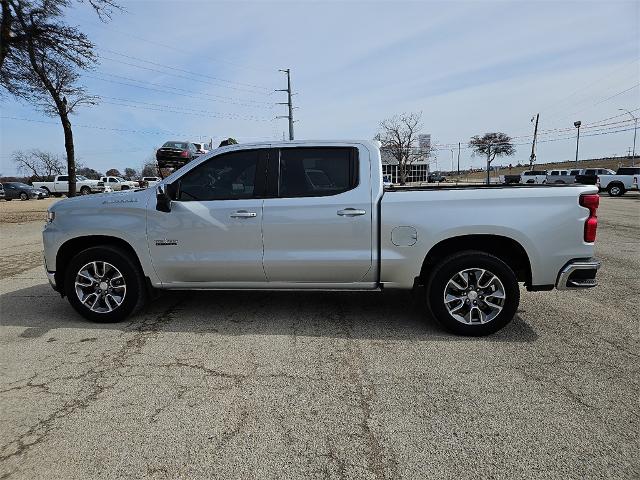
635 130
577 125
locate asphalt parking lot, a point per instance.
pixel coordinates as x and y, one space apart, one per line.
320 385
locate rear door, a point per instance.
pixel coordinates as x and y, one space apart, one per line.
318 228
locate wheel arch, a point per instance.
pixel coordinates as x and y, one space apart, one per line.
72 247
506 249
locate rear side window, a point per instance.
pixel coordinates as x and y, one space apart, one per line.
63 178
317 172
230 176
628 171
575 172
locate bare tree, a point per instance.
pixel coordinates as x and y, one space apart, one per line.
13 36
149 169
399 137
37 164
492 145
41 61
113 172
130 173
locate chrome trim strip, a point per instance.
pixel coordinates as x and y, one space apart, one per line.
565 273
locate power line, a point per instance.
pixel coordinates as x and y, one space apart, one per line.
208 82
189 93
172 47
198 113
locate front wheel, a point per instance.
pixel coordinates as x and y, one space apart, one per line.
85 191
104 284
24 196
473 293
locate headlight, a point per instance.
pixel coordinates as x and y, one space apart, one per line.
50 216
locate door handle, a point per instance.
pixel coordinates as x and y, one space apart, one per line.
243 214
351 212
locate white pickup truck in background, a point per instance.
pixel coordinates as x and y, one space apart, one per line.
252 216
60 185
118 183
626 178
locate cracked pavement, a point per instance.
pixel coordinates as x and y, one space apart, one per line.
323 385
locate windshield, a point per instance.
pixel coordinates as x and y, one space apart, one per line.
81 178
120 179
180 145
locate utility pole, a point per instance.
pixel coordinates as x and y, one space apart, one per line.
288 102
635 129
577 125
532 159
458 160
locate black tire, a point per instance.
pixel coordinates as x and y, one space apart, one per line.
24 196
447 269
8 199
85 191
615 190
124 187
135 295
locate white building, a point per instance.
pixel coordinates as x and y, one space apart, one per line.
418 170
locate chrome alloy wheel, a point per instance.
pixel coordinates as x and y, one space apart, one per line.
474 296
100 287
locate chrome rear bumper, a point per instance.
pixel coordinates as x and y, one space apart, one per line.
578 274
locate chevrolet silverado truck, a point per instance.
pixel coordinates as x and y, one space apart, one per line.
252 216
60 185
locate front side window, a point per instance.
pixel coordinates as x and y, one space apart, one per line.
63 178
589 172
314 172
230 176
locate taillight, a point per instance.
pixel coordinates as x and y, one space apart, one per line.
598 181
184 154
590 201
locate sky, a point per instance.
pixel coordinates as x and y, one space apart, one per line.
174 70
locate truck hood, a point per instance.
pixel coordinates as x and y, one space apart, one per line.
120 199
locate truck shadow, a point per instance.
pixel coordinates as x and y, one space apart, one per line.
390 315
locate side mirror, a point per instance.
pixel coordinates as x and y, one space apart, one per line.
163 199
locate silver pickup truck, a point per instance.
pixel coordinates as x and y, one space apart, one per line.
315 215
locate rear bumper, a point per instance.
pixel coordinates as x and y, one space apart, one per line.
579 273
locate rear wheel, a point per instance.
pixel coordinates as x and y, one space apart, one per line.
615 190
104 284
473 293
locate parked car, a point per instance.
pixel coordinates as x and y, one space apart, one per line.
175 154
119 183
151 181
22 191
618 183
534 176
507 179
1 192
249 217
436 177
60 185
201 148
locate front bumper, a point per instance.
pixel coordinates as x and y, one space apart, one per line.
579 273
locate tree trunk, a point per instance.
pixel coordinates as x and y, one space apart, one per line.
5 32
71 155
403 173
488 165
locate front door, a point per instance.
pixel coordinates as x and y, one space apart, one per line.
212 233
318 228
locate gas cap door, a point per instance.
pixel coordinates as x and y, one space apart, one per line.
404 236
